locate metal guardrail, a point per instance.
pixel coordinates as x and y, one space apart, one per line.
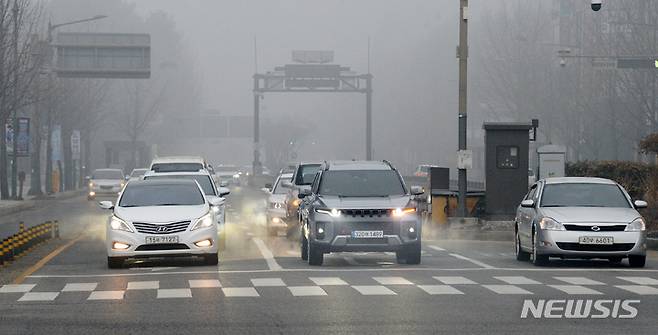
17 245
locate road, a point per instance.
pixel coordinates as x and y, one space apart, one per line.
262 286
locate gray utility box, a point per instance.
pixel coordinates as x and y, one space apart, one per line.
506 167
551 159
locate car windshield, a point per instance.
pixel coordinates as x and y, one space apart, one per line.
144 195
279 188
361 183
583 195
107 174
306 174
176 167
203 180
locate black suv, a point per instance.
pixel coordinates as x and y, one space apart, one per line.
359 206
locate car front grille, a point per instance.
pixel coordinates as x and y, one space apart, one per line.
382 212
163 246
575 227
595 247
169 228
346 228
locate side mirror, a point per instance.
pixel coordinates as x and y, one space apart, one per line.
268 186
529 203
223 183
224 191
106 205
416 190
639 204
215 201
303 193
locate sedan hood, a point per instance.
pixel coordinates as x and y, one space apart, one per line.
161 214
591 214
365 202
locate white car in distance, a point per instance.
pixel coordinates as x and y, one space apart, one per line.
276 204
161 218
105 182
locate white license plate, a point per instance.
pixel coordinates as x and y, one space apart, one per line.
161 239
368 234
596 240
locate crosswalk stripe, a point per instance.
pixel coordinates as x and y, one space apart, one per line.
328 281
267 282
143 285
517 280
79 287
392 281
454 280
639 289
174 293
39 296
204 283
579 281
106 295
640 280
575 289
439 289
306 291
506 289
240 292
373 290
17 288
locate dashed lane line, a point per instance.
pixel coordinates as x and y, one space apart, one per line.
267 254
476 262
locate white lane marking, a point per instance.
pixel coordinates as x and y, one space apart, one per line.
267 282
174 293
433 247
143 285
328 281
307 291
639 289
39 296
439 289
575 289
392 281
204 283
79 287
240 292
106 295
579 281
517 280
350 260
506 289
640 280
454 280
476 262
17 288
373 290
267 254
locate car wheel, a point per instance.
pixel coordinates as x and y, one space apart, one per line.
537 259
412 254
315 256
115 262
637 261
521 255
304 248
211 259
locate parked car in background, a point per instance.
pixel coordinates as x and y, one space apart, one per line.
161 218
105 182
276 204
136 174
577 217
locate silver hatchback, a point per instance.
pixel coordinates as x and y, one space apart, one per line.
578 217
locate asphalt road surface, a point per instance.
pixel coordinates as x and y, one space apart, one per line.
262 286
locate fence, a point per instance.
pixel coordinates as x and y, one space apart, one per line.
17 245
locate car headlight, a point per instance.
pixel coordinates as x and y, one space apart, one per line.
636 225
203 222
118 224
400 212
296 202
91 184
331 212
236 176
550 224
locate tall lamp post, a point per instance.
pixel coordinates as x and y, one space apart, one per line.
462 54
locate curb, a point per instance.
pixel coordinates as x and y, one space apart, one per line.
28 204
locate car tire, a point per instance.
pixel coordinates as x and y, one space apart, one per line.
211 259
304 248
537 259
637 261
315 256
115 262
521 255
413 254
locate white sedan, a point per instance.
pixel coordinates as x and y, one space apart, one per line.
161 218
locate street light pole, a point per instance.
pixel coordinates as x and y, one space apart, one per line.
462 54
14 160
